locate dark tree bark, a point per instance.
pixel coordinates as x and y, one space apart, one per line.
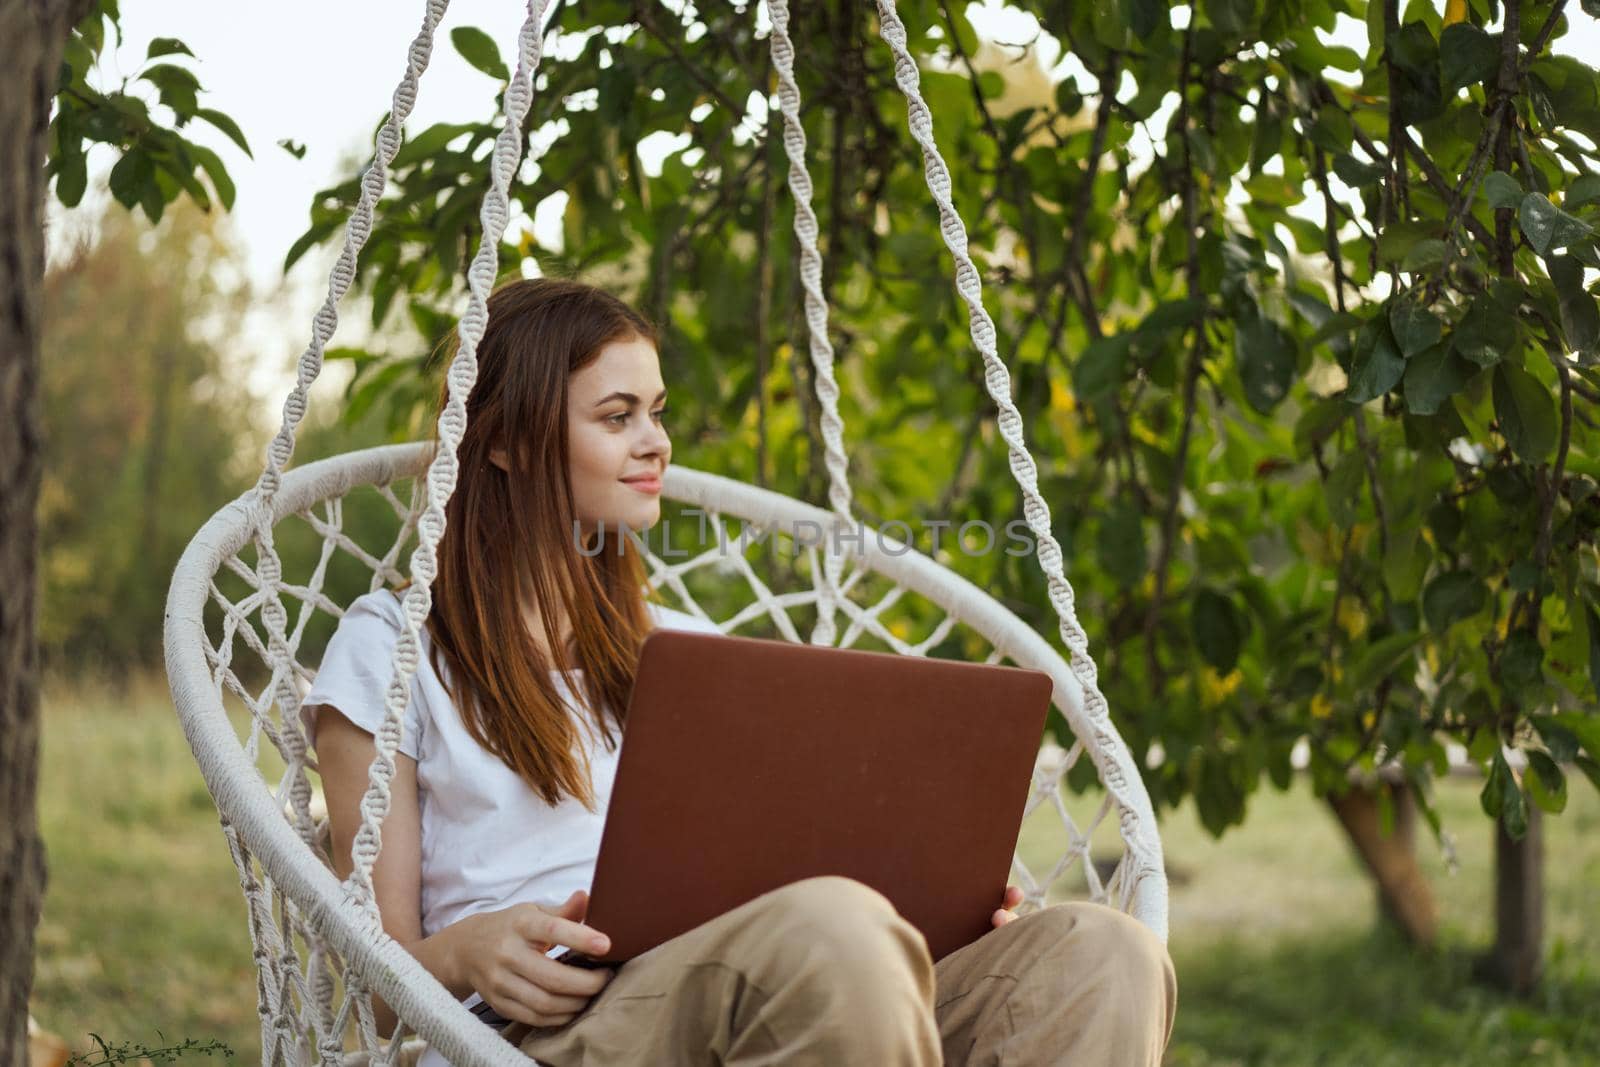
1517 960
34 32
1404 896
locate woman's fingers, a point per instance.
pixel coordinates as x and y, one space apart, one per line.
523 1001
537 924
568 980
575 907
1004 914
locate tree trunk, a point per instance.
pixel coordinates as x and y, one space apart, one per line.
1404 896
1517 960
35 32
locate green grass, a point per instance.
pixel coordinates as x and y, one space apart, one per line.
1272 927
143 927
1280 960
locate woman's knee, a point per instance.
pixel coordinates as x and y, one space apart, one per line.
1099 929
1112 941
843 921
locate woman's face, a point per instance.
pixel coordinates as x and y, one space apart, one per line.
618 446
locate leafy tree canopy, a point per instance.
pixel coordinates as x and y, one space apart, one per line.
1303 334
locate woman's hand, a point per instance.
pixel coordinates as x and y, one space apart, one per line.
1004 913
503 957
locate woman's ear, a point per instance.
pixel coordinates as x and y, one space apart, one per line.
497 456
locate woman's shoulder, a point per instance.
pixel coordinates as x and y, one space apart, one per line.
667 618
384 605
374 621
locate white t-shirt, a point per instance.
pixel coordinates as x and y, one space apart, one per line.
488 840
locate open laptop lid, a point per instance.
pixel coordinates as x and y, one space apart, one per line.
749 763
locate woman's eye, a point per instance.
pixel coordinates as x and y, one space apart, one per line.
662 413
618 419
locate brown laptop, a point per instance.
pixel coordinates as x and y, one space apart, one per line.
748 764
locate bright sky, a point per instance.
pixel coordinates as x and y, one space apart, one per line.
322 74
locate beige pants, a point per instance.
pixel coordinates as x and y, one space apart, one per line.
824 971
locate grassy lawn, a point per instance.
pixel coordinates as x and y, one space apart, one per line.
1272 927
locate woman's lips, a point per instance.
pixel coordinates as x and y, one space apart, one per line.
644 485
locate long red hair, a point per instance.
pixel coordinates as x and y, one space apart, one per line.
501 545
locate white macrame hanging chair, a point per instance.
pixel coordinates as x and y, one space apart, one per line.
319 946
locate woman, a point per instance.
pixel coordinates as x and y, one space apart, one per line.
511 742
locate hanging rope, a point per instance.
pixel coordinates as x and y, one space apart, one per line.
442 470
1096 713
269 567
816 306
276 1024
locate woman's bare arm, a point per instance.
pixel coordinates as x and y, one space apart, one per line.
499 954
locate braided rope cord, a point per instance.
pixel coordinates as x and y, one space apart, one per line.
281 970
1142 839
816 307
442 469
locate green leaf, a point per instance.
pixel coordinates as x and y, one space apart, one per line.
1380 659
1343 489
1425 255
1584 725
1099 369
1561 742
1492 798
1502 190
1467 55
1405 564
152 198
1521 661
1590 768
1432 377
1378 363
211 163
226 125
1523 576
1451 597
1171 314
1546 226
1231 17
1414 326
1580 316
1513 810
1356 173
132 173
1547 786
72 176
1121 544
177 86
1584 190
1219 629
1593 621
167 46
479 49
1145 16
1416 92
429 142
1486 333
1266 357
1525 411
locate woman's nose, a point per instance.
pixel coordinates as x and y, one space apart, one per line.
657 440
